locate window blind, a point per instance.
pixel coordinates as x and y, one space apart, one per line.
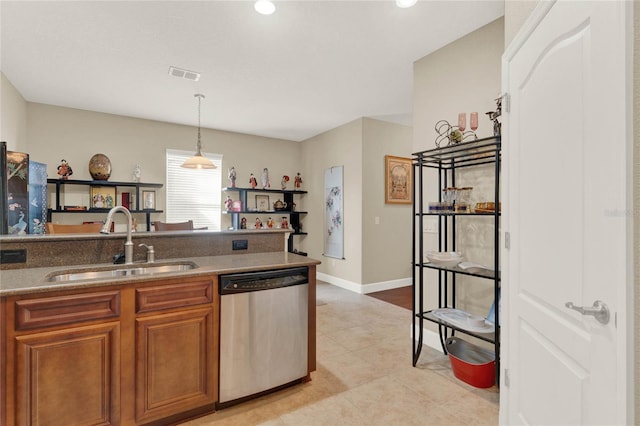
193 194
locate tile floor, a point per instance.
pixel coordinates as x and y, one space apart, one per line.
365 376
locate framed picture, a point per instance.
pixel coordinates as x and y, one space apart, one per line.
148 200
262 203
103 197
398 180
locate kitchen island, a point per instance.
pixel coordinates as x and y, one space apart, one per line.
128 349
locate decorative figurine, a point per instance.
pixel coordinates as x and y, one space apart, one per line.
232 176
252 181
137 173
265 179
285 223
297 183
284 181
64 170
493 116
269 223
228 203
258 223
243 223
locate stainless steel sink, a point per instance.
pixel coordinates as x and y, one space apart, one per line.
126 271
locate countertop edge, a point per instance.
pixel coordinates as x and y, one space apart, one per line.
18 282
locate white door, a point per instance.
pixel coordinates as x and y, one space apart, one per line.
567 167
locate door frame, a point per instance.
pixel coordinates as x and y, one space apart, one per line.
625 371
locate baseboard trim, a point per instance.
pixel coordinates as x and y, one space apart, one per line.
366 288
429 338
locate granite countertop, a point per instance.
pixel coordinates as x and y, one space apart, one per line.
34 280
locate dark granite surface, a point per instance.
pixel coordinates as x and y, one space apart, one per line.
89 249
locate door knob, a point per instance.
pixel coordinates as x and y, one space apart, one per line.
598 310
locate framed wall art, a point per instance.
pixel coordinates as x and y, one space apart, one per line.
102 197
334 212
398 180
148 200
262 203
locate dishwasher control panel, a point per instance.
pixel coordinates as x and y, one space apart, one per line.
263 280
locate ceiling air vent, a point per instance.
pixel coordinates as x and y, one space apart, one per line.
186 74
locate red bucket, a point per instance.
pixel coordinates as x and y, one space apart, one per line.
471 364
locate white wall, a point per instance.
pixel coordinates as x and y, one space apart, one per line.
55 133
13 116
376 256
464 76
341 146
386 247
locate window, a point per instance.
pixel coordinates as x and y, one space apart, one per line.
193 194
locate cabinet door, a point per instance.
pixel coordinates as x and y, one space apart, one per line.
69 377
176 364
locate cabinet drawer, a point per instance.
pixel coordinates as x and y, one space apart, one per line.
52 311
174 295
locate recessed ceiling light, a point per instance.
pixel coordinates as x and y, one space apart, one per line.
182 73
265 7
405 3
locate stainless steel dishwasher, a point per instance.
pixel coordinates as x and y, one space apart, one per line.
263 331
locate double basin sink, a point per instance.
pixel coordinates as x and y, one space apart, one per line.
124 271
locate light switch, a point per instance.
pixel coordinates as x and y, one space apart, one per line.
376 220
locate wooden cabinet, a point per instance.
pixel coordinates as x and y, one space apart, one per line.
66 359
176 356
144 353
69 377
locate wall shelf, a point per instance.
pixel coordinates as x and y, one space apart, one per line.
61 183
287 194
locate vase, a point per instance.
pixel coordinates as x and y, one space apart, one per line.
100 167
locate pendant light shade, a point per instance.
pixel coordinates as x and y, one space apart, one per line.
198 161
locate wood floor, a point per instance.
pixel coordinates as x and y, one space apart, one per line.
397 296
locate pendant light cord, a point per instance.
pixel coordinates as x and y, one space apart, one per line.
199 147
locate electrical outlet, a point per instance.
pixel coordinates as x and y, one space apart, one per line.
13 256
240 244
430 226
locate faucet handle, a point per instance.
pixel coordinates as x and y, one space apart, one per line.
150 252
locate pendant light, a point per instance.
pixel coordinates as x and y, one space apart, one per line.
198 161
405 3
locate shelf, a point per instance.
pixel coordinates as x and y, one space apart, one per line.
59 183
465 154
447 162
103 211
103 183
282 191
487 337
287 195
483 273
273 212
471 214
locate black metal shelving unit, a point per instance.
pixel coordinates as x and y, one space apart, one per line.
447 161
287 194
60 183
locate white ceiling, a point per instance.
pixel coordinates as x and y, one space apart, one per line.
308 68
